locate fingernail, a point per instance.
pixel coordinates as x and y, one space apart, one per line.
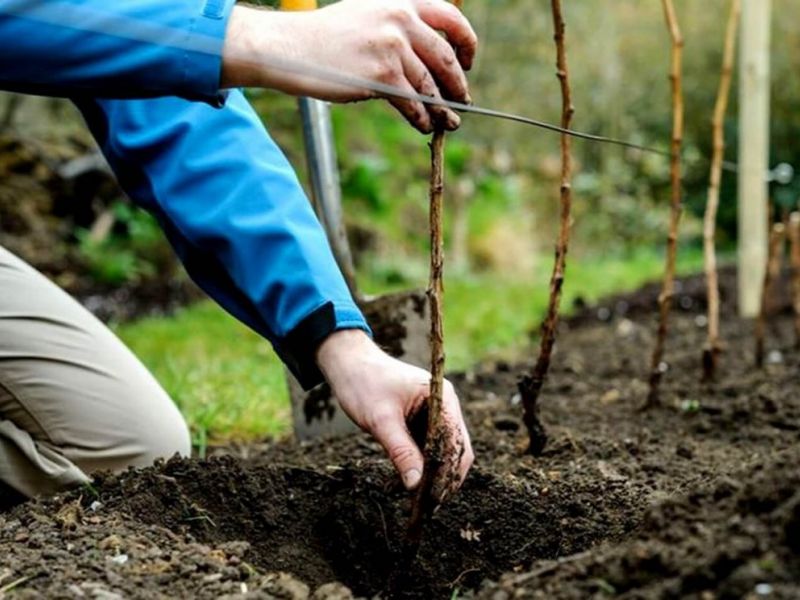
411 478
468 99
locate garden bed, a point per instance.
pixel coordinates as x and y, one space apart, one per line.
698 498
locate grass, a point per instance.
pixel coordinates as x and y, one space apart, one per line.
230 385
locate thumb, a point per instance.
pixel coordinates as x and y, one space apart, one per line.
393 435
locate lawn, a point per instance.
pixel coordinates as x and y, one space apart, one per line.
230 385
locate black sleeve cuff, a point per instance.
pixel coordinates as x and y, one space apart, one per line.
299 348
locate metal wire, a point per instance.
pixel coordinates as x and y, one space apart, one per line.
82 18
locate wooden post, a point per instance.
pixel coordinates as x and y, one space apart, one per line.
754 114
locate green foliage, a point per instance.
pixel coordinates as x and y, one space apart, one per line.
229 384
133 250
224 377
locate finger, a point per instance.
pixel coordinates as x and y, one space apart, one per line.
459 455
414 111
419 77
392 434
440 58
443 16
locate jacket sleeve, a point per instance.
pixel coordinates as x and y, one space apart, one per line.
233 209
113 48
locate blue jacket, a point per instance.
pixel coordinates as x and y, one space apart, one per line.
146 75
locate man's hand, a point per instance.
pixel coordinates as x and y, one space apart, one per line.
381 394
394 42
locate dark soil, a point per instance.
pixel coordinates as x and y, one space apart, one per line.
698 498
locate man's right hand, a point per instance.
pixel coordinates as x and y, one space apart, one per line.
394 42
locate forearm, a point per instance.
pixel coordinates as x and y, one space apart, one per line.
119 49
233 209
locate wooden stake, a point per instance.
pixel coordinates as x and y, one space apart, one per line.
754 149
668 289
777 237
530 386
794 238
712 349
436 434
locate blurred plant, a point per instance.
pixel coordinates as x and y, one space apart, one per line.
133 248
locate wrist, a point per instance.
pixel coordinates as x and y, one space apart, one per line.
252 35
339 350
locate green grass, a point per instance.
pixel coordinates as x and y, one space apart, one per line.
225 378
230 385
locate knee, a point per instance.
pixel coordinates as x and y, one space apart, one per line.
158 436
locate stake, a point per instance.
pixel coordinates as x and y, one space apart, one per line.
668 289
530 386
794 238
777 237
436 435
712 349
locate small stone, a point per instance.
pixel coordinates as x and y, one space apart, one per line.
775 358
95 506
285 586
625 328
332 591
610 397
120 559
603 314
701 321
764 589
112 542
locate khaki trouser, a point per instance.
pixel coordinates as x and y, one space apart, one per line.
73 398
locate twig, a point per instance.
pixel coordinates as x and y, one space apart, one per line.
777 237
549 567
435 439
712 349
530 386
668 289
794 238
14 584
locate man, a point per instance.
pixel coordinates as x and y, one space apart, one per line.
149 77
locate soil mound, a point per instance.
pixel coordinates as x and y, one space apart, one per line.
696 498
738 538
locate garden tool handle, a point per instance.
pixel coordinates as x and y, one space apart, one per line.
323 169
324 172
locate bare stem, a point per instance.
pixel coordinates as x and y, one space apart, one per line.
712 349
668 289
777 237
794 237
435 436
531 385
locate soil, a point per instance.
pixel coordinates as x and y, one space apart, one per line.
698 498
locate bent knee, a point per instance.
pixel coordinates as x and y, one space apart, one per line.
142 435
159 437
